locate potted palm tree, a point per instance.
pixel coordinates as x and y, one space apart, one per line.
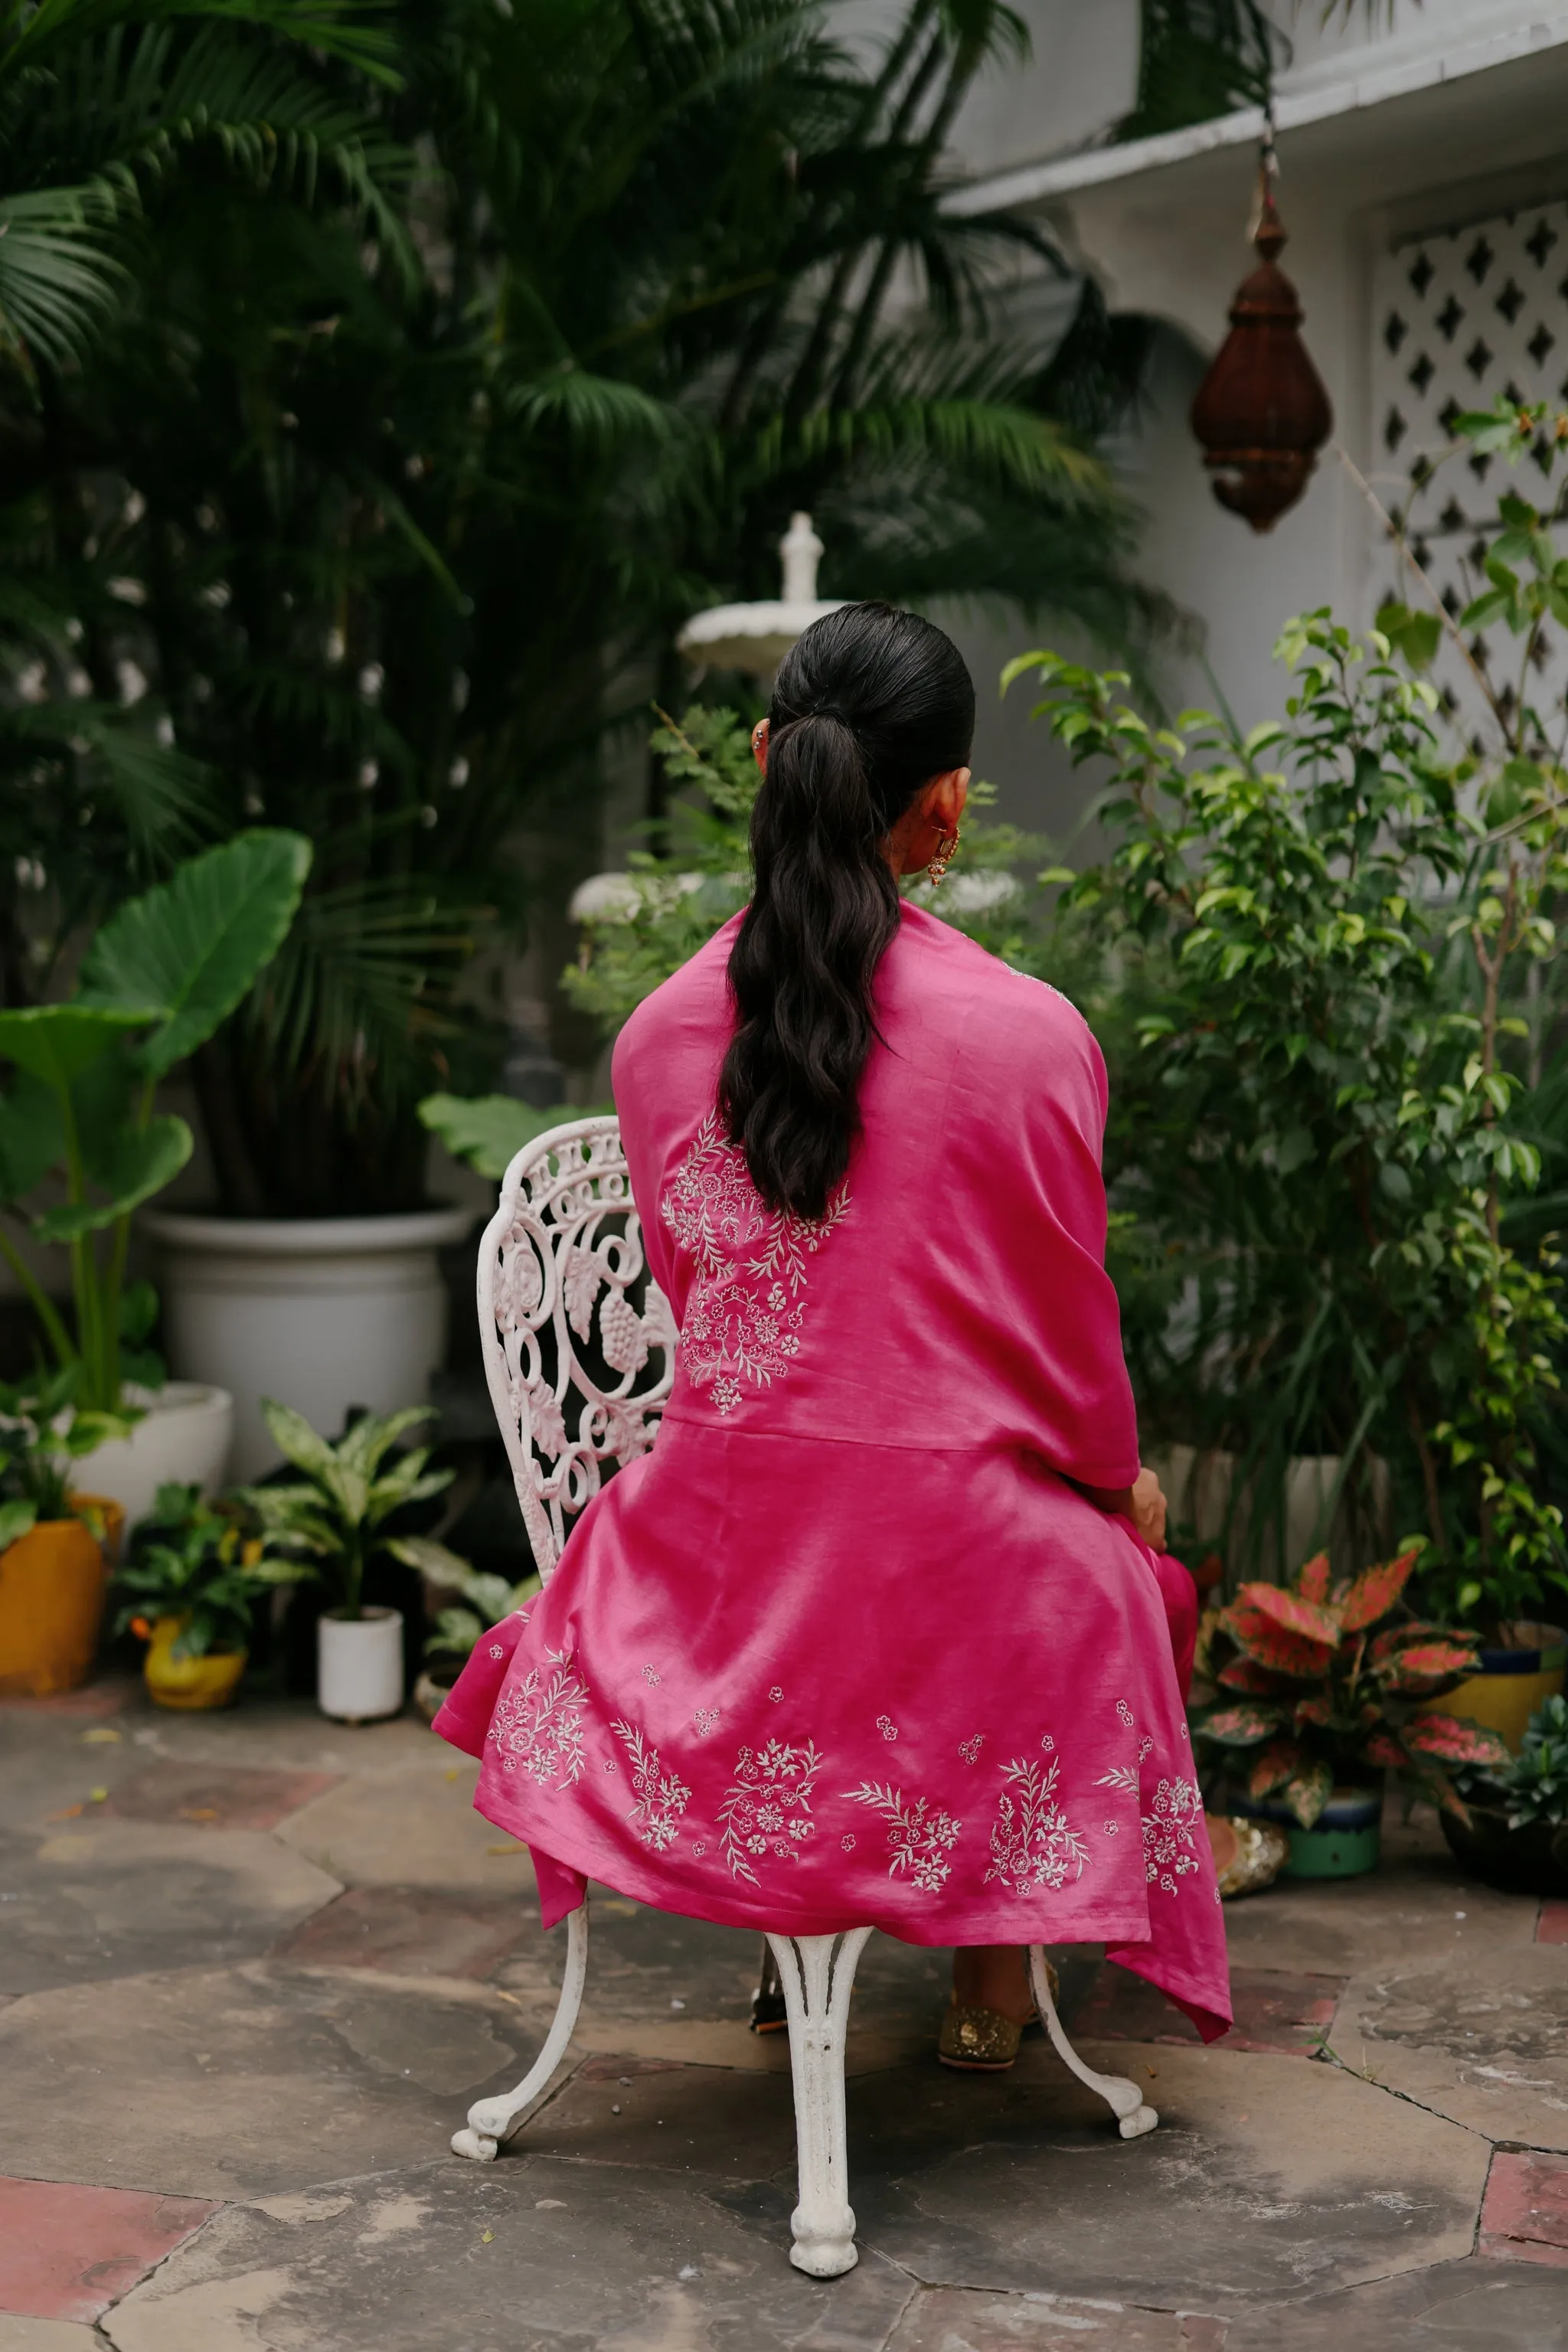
333 1522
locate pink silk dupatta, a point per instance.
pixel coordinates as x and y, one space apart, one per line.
845 1646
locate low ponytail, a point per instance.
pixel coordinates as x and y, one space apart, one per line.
868 706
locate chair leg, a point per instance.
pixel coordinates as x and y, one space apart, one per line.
818 1974
489 2120
1124 2099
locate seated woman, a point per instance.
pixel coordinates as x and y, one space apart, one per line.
879 1632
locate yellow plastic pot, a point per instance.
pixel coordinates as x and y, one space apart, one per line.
1513 1683
191 1683
52 1601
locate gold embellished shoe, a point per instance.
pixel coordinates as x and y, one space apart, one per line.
983 2041
1262 1850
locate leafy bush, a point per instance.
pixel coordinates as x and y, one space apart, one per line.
198 1560
1532 1787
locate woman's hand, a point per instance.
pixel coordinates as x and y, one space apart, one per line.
1143 1503
1148 1511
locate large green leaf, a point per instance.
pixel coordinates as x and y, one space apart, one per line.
57 1042
488 1130
339 1481
193 945
140 1163
32 1137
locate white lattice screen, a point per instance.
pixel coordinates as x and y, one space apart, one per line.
1457 319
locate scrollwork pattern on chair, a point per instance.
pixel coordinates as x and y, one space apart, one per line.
579 1340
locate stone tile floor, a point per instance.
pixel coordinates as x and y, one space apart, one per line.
255 1967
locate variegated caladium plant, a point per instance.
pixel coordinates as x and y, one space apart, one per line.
1319 1682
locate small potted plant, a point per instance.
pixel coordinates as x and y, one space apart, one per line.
190 1582
489 1599
52 1541
82 1144
1516 1835
1326 1688
335 1521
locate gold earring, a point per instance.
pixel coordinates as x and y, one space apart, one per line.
945 856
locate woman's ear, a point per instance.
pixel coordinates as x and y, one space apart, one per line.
946 797
760 744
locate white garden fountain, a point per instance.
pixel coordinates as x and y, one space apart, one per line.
756 637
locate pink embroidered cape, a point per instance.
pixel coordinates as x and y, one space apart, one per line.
845 1646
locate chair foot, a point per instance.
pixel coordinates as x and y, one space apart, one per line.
1125 2100
489 2120
817 1973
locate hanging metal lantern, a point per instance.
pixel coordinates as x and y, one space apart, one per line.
1262 412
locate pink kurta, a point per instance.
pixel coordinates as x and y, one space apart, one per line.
845 1647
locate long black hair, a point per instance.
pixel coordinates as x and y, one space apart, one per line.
869 705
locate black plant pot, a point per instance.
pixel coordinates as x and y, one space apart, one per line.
1529 1861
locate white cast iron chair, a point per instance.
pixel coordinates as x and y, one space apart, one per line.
578 1373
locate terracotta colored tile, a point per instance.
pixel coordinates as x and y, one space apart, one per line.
1525 2213
68 2251
234 1798
1274 2010
1551 1926
94 1699
409 1931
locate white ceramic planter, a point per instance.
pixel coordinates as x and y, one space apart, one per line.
321 1313
184 1435
1198 1488
359 1666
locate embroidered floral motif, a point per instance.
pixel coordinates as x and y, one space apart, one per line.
1121 1776
1111 1829
1170 1835
775 1694
650 1674
1033 1843
746 1307
887 1726
1047 1742
700 1849
537 1723
970 1748
661 1798
496 1650
1145 1750
767 1806
920 1835
1125 1712
847 1841
705 1720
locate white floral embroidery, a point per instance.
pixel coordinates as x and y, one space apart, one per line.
537 1723
1033 1843
611 1764
650 1674
920 1835
767 1805
745 1308
1170 1833
1111 1828
887 1726
1047 1742
1182 1729
700 1849
496 1650
1121 1776
775 1694
661 1798
847 1841
705 1720
1145 1750
1125 1712
970 1748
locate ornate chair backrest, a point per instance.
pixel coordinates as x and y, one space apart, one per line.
578 1340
